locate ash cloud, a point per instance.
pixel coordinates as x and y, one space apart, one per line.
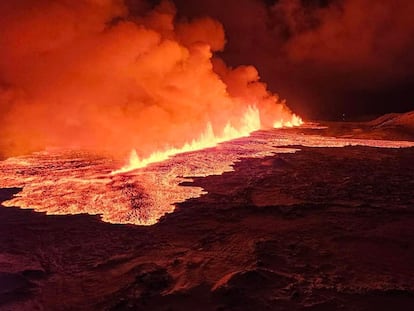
324 56
113 75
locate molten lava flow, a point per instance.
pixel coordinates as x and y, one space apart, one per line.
97 76
94 75
249 123
294 121
73 182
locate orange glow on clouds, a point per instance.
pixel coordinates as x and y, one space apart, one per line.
88 74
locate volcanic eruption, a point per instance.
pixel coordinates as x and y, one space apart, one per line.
144 166
88 84
90 74
91 85
92 82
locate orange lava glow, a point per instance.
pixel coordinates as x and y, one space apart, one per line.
83 79
293 121
249 123
92 75
62 182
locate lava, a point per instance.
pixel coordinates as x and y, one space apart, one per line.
249 123
117 81
92 75
89 81
293 121
60 181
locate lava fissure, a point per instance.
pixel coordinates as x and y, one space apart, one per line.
144 195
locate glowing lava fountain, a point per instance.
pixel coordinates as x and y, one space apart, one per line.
249 123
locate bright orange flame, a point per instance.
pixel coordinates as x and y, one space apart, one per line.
294 121
249 123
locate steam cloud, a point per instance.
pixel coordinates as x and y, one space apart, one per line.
101 74
322 54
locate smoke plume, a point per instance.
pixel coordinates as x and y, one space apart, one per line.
324 56
112 76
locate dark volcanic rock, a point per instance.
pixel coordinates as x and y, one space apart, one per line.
13 287
12 282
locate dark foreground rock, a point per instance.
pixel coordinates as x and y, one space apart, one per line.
322 229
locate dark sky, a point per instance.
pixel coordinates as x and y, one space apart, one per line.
326 57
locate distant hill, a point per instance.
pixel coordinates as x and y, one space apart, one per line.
392 126
405 120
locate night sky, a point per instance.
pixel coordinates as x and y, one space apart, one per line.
326 57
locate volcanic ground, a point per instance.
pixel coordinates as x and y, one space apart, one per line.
323 228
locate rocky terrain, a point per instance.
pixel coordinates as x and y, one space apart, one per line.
320 229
